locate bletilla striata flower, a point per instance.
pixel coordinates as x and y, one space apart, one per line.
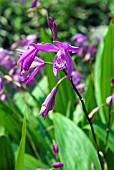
62 59
48 103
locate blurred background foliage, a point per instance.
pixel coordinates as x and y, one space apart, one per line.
90 17
70 16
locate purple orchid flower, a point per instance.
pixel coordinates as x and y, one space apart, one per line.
90 52
80 86
57 165
52 26
110 99
49 102
62 59
80 38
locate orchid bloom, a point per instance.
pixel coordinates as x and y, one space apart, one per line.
48 103
62 59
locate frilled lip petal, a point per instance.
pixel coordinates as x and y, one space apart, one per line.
46 47
35 71
59 62
70 65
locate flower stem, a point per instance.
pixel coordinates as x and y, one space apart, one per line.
86 114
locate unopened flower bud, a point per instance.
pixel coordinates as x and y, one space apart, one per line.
58 165
55 148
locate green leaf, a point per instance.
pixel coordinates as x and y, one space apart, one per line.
6 154
100 131
31 163
75 150
10 120
104 71
20 156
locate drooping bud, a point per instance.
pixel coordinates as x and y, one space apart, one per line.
55 148
57 165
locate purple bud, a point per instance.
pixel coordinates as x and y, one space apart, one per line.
39 169
34 3
110 99
52 26
55 148
112 81
58 165
48 103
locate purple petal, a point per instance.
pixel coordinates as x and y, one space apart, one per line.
31 76
72 49
46 47
37 61
59 44
69 64
26 54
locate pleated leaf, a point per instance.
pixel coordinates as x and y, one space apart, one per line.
75 149
104 70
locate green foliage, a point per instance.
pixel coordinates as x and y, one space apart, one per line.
76 151
104 71
20 156
6 153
